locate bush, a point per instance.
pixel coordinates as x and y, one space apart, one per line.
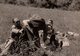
63 4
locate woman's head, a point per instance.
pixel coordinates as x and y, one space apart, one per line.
16 22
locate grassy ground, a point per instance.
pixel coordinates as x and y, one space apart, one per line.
63 21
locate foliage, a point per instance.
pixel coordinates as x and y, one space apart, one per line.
62 4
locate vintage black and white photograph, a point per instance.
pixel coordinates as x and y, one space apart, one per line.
39 27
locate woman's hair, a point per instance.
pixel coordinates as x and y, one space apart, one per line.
15 20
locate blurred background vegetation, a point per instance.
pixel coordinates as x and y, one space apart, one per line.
60 4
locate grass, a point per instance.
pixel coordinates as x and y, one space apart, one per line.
63 21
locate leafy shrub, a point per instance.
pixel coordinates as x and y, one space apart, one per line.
63 4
